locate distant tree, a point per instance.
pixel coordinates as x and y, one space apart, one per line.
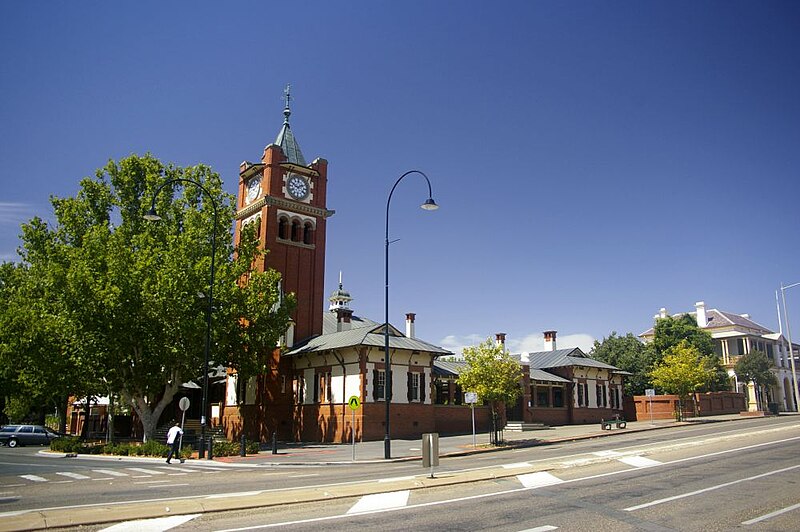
755 367
682 371
121 293
491 373
630 354
670 332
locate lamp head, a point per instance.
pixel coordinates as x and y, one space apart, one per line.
429 205
152 215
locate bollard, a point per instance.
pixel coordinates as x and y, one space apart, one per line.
210 448
201 448
243 448
274 443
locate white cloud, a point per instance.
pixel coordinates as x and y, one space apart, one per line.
15 213
530 343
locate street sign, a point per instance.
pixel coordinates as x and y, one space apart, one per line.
184 403
470 398
649 392
354 402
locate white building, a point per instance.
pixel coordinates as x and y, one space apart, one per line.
735 335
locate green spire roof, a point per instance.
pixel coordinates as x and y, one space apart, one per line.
286 139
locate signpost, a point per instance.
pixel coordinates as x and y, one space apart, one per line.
430 450
471 398
649 393
354 402
183 404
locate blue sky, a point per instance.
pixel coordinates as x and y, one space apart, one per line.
594 161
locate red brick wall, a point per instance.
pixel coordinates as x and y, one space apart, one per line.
709 404
457 419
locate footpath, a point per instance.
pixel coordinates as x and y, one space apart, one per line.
331 455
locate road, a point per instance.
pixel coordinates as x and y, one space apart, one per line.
722 475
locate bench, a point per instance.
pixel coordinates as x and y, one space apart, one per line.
605 424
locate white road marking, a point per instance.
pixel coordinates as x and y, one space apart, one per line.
76 476
771 514
104 478
380 501
517 465
176 468
239 494
151 525
710 488
410 477
111 472
146 471
607 453
538 480
34 478
639 461
544 528
306 475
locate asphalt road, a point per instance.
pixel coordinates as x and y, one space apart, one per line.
503 500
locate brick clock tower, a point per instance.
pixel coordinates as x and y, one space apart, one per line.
287 198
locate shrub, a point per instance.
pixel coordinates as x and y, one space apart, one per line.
67 444
232 448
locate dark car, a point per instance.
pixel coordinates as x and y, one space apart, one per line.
13 435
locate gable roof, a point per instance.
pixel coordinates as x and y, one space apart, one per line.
560 358
717 319
362 332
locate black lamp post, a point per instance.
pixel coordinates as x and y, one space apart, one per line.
153 216
429 205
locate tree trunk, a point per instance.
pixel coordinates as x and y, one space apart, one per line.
148 415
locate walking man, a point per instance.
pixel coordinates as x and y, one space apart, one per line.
174 441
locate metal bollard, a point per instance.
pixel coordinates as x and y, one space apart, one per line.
274 443
243 446
201 448
210 448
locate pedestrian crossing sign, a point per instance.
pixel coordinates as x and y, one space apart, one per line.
353 402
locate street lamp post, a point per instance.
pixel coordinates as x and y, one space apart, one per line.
429 205
791 350
153 216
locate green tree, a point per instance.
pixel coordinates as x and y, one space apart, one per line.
755 367
682 371
630 354
125 291
669 332
491 373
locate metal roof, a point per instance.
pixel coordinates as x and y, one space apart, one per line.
451 368
561 358
542 375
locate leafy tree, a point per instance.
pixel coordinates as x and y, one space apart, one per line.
682 371
670 332
755 367
630 354
491 373
124 291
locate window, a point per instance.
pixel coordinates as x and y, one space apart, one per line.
379 385
558 397
583 393
542 396
308 233
283 228
322 387
296 231
300 389
413 387
597 388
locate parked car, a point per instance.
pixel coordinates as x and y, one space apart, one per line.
13 435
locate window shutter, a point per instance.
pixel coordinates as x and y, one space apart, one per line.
375 395
328 388
408 386
421 387
316 387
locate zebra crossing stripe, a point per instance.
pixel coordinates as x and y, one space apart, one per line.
34 478
158 524
179 469
111 472
146 471
380 501
539 480
639 461
76 476
518 465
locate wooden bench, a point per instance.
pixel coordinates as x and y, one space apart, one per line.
605 424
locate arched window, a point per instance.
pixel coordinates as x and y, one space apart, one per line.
283 228
297 235
308 233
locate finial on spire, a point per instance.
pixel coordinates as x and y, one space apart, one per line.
340 279
288 97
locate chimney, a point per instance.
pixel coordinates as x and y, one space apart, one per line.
702 321
410 324
500 339
343 316
550 340
662 312
745 316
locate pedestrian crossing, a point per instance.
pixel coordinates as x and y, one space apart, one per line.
132 473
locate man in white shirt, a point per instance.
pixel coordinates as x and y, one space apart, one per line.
174 441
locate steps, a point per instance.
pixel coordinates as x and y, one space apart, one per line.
519 426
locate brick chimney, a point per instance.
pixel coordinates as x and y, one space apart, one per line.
410 324
550 340
702 320
500 339
343 316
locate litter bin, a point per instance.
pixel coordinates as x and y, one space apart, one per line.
773 408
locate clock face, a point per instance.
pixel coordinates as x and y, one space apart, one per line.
253 188
297 187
